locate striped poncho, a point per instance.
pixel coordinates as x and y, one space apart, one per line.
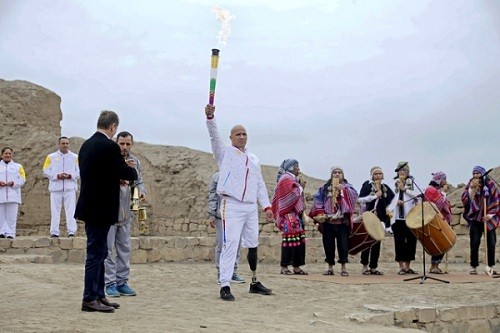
287 207
473 204
346 201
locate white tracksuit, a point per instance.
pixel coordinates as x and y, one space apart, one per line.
62 190
241 186
10 196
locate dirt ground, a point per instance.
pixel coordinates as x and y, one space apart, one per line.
184 297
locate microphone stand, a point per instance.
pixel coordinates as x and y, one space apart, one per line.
424 276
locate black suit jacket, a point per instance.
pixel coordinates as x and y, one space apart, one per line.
101 168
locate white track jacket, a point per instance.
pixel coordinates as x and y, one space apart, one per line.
240 175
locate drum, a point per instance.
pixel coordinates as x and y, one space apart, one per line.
366 232
436 236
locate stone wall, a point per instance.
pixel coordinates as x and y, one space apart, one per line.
147 249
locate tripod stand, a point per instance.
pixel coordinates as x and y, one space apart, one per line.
424 276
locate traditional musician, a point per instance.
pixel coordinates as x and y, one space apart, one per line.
333 208
375 196
435 193
405 242
481 193
288 206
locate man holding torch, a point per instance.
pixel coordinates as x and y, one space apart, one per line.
241 186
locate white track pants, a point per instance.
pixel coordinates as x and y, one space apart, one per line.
56 201
8 218
240 221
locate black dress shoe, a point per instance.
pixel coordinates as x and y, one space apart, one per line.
10 237
2 236
96 306
108 303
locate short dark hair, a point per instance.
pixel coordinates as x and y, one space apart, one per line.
62 137
5 148
106 119
124 134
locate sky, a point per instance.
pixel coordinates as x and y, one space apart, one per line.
349 83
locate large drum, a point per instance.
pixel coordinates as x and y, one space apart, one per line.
436 236
366 232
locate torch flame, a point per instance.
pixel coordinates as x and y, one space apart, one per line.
223 16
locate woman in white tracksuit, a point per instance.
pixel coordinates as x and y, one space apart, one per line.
12 177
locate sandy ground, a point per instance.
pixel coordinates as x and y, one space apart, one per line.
183 297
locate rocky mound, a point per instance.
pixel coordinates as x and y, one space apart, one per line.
176 178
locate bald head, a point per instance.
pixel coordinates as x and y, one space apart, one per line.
238 137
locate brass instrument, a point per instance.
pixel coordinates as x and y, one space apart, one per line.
141 211
143 216
143 227
137 208
135 199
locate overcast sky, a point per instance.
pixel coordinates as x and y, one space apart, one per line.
350 83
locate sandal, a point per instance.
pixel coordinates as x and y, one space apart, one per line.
300 272
344 273
328 272
410 271
402 272
436 270
375 272
366 272
473 271
286 271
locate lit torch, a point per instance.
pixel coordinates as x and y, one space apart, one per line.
223 16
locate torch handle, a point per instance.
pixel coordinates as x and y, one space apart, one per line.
214 64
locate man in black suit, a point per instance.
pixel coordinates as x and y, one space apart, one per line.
101 168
